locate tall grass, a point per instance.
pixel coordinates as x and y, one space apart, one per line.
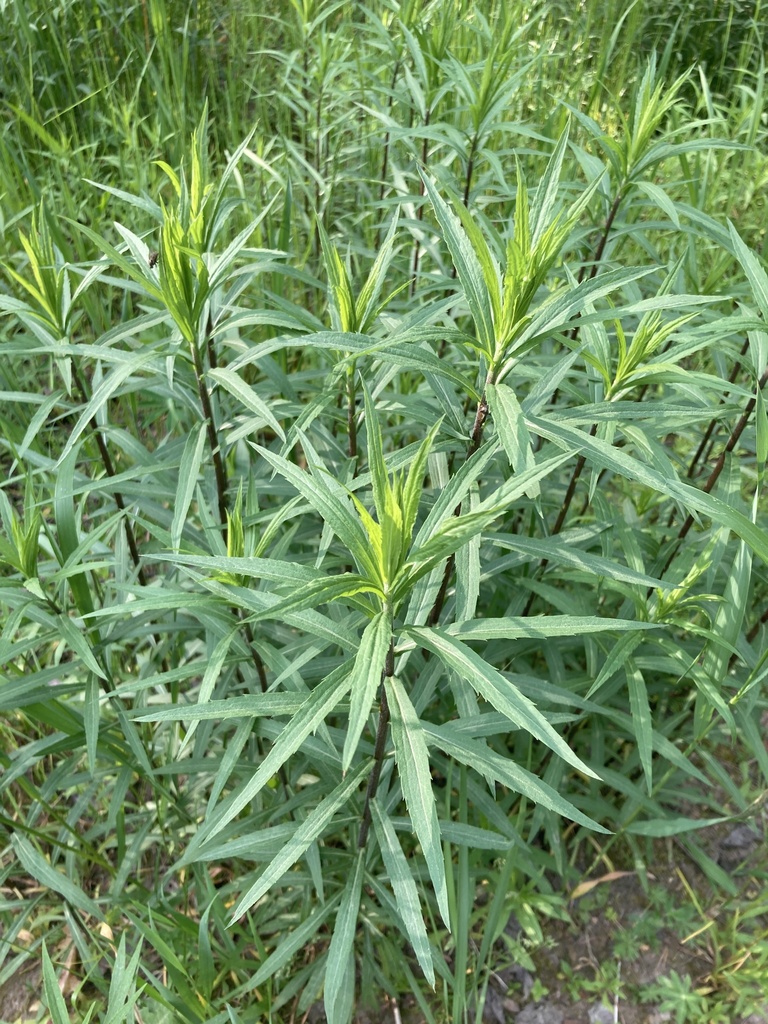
383 434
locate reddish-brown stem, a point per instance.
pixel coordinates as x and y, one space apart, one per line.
736 433
379 748
708 433
109 468
598 254
213 440
470 170
475 441
567 500
351 415
221 478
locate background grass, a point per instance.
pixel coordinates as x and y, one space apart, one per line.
259 261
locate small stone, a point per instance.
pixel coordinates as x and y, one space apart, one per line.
540 1013
599 1014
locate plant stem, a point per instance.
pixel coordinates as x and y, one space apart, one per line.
736 433
213 440
109 468
598 254
713 422
567 500
351 412
475 441
379 748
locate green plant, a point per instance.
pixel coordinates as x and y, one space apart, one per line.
281 500
676 995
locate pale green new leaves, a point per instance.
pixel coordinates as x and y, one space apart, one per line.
350 315
499 299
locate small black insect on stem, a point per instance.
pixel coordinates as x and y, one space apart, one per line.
152 258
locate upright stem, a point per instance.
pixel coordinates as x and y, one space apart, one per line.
221 481
708 433
213 439
470 170
109 468
351 412
475 441
387 139
567 500
420 210
598 254
379 749
736 433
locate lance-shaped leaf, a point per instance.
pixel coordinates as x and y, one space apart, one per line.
366 308
245 394
477 270
310 830
641 720
603 454
334 510
341 302
495 688
318 705
340 968
496 768
412 759
513 433
366 676
376 463
404 887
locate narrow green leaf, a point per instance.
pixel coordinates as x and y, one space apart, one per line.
78 642
416 781
102 394
42 871
556 550
496 689
322 700
53 997
334 511
546 193
454 493
469 268
237 387
91 716
751 266
376 464
189 467
414 483
671 826
641 721
294 941
366 678
340 966
481 758
307 833
404 887
257 705
517 627
603 454
365 308
513 433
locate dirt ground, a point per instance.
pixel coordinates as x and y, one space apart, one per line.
581 974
